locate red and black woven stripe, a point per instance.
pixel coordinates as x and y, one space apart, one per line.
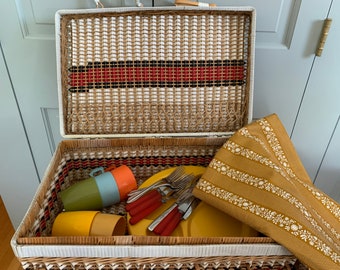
134 74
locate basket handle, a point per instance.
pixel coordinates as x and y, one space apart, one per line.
96 171
98 4
110 168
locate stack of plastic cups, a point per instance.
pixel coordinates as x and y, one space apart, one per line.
100 190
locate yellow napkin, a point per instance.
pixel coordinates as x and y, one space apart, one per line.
258 178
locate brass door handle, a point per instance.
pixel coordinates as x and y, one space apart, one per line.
324 34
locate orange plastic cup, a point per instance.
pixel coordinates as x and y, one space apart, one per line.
125 180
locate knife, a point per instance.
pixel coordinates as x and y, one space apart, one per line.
193 205
168 221
145 205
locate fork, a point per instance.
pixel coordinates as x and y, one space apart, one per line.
157 192
167 181
166 222
155 198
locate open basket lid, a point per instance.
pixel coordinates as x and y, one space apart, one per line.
174 71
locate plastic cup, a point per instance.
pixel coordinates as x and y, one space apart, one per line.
83 195
108 189
88 223
125 180
108 224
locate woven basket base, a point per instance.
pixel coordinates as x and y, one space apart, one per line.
73 161
228 262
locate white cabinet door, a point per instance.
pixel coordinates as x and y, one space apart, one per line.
317 131
287 34
17 173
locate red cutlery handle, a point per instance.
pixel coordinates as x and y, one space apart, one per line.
146 204
165 221
134 219
148 195
172 224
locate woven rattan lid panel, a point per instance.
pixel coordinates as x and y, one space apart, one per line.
155 71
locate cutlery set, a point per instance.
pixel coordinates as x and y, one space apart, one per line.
177 185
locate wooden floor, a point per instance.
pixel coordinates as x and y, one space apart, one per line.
7 259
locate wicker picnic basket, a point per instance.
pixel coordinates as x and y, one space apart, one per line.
152 89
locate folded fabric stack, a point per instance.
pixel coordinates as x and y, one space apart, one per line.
258 178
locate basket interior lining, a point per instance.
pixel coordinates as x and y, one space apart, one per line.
75 165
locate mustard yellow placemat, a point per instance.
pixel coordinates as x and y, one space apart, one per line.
258 178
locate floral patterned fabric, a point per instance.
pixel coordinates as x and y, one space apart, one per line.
258 178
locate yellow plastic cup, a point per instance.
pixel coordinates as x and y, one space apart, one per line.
88 223
73 223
